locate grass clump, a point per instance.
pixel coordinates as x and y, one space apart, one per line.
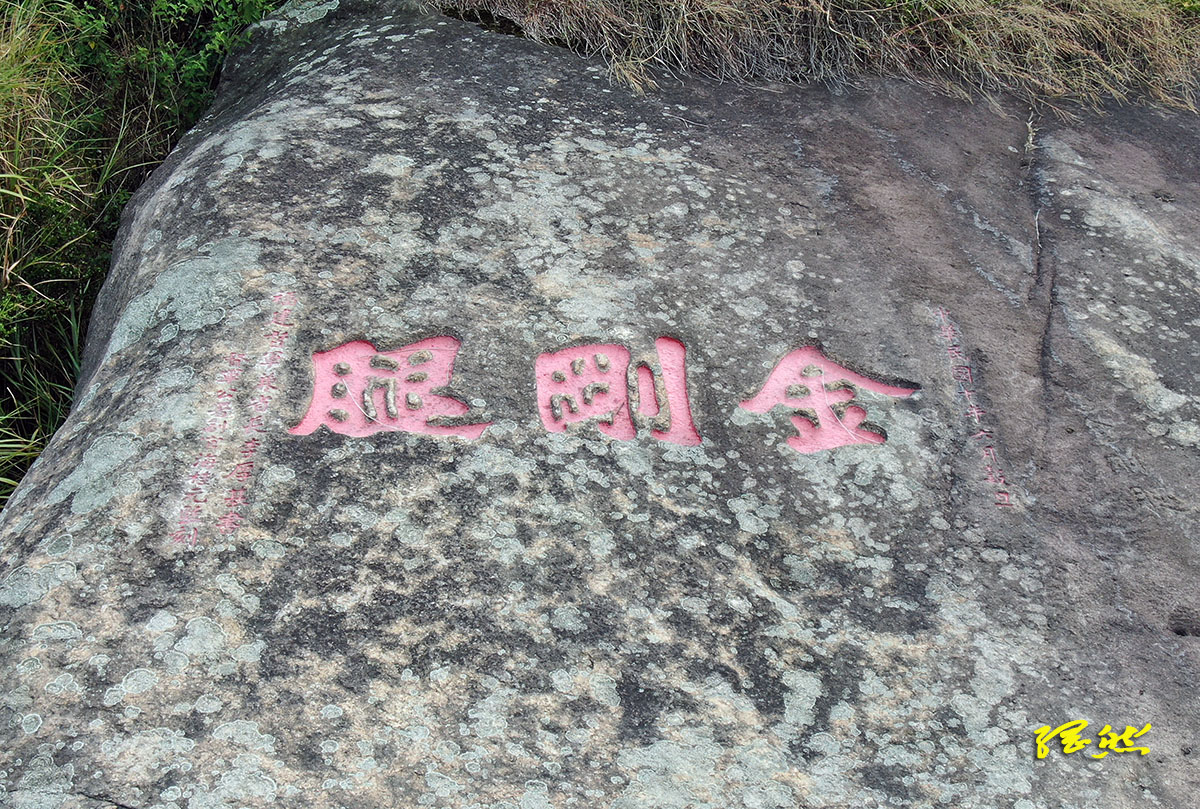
1078 50
45 159
48 172
93 94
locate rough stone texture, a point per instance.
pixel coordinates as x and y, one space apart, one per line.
533 619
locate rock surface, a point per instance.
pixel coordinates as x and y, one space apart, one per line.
459 430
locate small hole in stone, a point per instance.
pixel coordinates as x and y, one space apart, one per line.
1185 621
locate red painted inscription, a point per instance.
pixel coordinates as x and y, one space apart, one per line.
961 371
821 391
591 383
217 484
361 391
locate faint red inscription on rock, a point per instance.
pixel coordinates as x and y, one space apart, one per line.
960 370
591 383
820 391
216 481
360 391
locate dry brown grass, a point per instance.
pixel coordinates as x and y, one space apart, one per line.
1081 50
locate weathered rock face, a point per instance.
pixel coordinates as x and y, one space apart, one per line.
458 430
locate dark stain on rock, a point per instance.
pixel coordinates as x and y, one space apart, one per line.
888 778
641 705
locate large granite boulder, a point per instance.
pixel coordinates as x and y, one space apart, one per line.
461 430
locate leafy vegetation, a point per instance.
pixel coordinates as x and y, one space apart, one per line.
93 94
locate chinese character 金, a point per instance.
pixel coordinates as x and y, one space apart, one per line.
591 383
361 391
821 391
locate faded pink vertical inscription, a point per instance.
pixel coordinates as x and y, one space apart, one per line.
821 390
217 483
203 471
265 391
960 370
591 383
360 391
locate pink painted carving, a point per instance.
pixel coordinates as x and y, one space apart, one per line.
361 391
961 371
591 383
585 383
672 356
821 390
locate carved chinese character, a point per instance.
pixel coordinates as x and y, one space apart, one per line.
822 392
361 391
242 471
591 383
184 535
229 522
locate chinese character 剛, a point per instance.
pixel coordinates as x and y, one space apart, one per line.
591 382
821 392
